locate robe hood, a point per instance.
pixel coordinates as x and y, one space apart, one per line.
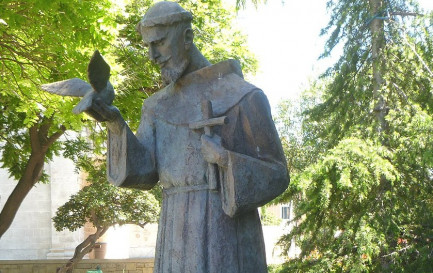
180 102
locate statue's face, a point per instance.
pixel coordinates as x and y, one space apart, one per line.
166 48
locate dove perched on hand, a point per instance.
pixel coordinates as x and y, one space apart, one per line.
98 73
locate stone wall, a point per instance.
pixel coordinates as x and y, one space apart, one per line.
29 235
32 235
50 266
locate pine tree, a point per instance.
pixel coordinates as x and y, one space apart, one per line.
364 202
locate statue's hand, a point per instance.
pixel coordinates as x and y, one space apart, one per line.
102 111
212 150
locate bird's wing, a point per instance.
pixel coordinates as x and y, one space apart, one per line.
98 72
73 87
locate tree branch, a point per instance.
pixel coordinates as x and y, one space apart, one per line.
43 130
412 47
34 138
140 225
401 13
396 252
82 249
55 136
14 60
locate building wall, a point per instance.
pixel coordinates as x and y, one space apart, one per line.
32 235
131 241
29 235
273 233
50 266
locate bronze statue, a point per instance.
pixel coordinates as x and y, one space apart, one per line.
209 139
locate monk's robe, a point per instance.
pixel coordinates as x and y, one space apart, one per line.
201 229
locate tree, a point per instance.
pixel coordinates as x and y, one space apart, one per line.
42 41
102 205
364 202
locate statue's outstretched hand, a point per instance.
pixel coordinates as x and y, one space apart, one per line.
102 111
213 151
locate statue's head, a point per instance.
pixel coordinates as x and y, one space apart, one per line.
166 31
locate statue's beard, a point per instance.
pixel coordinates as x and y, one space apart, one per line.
170 75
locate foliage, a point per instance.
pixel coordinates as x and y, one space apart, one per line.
103 204
274 268
43 41
362 162
243 3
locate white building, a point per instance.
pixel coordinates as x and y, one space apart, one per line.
32 235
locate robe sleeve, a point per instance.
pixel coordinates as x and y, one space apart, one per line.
257 171
131 159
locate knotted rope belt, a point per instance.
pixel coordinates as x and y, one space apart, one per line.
184 189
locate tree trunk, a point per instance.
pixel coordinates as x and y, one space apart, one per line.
377 46
31 175
380 106
82 249
40 142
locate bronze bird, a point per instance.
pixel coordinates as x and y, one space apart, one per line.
98 74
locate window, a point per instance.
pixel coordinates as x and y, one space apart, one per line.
285 212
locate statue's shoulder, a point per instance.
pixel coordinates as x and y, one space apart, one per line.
229 91
151 103
230 87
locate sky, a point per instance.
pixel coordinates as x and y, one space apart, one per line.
284 36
